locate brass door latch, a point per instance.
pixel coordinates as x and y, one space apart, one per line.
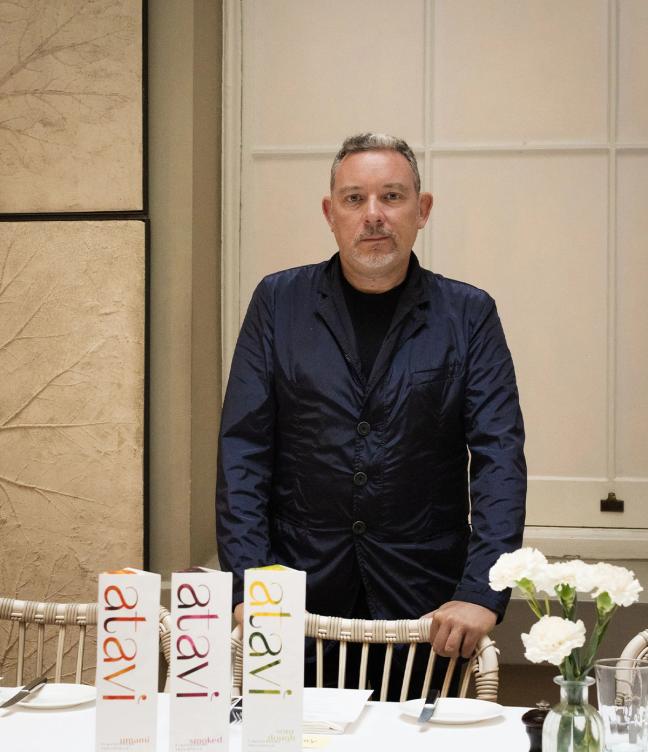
612 504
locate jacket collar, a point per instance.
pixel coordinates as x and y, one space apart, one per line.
409 316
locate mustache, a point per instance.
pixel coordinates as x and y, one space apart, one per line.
374 231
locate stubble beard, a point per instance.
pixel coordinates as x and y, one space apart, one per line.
374 256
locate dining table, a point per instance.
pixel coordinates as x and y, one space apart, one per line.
381 727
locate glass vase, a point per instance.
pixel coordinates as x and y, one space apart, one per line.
573 725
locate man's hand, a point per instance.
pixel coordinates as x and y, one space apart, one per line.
457 627
238 613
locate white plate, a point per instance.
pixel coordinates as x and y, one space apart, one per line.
53 696
455 710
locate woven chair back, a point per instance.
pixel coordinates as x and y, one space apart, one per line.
483 665
165 643
70 627
637 647
36 625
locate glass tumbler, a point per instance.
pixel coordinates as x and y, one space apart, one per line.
622 689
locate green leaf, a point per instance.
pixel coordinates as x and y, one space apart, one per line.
604 604
526 586
567 597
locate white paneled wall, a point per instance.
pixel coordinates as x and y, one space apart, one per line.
315 70
632 315
531 229
632 86
530 122
515 71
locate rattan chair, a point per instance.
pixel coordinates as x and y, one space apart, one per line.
165 643
483 665
59 619
637 647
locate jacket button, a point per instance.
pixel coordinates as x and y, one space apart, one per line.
359 527
363 428
359 479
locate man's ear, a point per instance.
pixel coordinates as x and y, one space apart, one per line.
326 210
424 207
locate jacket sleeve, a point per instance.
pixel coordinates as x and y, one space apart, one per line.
246 447
495 437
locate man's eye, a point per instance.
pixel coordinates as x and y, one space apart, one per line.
392 196
353 198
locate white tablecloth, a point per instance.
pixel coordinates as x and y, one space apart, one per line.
382 727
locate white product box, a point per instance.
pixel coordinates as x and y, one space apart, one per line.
127 661
201 680
273 659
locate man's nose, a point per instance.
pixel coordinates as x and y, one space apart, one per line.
373 212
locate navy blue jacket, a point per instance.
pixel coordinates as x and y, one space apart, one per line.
369 481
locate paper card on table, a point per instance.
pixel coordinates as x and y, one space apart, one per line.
201 681
314 741
273 659
127 661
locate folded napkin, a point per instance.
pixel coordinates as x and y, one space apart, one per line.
330 711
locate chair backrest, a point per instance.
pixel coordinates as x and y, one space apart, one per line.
637 647
165 643
482 666
59 621
58 618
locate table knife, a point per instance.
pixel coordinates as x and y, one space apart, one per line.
430 706
25 691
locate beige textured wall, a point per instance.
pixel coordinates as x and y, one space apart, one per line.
184 180
71 106
71 404
72 300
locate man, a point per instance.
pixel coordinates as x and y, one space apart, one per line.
359 389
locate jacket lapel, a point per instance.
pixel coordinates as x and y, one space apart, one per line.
332 309
409 317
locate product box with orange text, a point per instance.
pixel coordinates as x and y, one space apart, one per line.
127 661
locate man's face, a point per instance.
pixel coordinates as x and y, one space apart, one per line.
375 214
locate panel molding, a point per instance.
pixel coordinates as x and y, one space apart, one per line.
588 543
612 95
231 181
549 147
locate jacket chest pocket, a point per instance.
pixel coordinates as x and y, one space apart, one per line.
431 375
428 392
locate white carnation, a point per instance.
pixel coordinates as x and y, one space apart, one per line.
585 576
525 563
575 573
618 582
552 639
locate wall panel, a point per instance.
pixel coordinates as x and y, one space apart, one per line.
633 71
632 321
520 71
531 230
71 106
319 71
71 404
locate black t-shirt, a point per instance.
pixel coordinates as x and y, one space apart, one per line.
371 315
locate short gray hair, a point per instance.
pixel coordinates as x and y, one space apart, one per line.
375 142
